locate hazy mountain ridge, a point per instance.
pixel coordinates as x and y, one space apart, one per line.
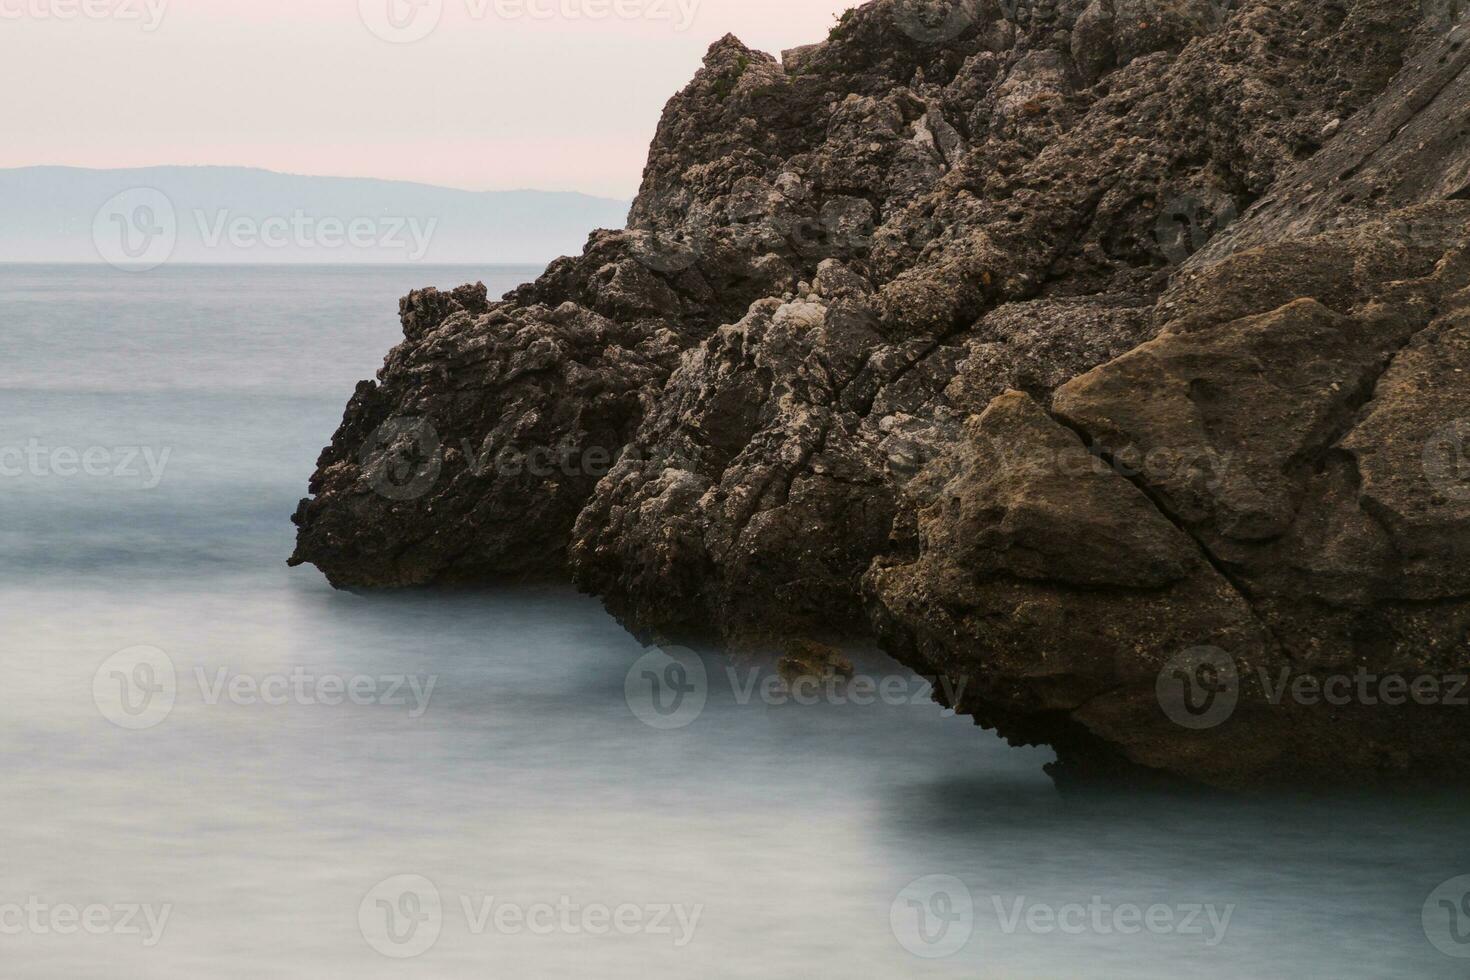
241 214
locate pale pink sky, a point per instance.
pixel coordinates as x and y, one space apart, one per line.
491 98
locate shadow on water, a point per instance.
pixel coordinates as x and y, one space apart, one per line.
979 804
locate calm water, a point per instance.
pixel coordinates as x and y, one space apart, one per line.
544 829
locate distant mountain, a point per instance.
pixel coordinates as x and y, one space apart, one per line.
235 214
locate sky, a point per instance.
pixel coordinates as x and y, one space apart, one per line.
475 94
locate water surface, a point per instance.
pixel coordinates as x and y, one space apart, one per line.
525 777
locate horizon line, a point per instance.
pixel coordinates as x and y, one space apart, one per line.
287 173
142 267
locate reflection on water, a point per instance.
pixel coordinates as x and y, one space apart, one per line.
315 783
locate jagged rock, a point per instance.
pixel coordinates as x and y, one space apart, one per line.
791 515
861 284
514 415
1407 147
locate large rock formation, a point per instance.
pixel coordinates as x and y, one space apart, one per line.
947 329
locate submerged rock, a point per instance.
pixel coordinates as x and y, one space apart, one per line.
1047 342
811 661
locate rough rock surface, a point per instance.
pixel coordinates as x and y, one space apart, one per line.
1277 487
946 330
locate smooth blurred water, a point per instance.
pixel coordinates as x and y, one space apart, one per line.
795 829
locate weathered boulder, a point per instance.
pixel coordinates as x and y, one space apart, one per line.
1309 461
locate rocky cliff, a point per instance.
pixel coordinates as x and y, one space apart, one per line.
1105 357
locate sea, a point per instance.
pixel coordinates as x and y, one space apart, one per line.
213 765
